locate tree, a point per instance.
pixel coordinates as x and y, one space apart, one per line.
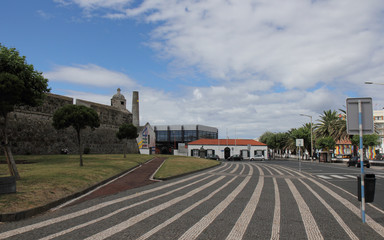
301 133
20 85
368 140
326 143
331 124
79 117
127 131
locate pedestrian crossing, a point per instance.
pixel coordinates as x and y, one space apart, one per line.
343 176
227 202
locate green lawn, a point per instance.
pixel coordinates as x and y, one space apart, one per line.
51 177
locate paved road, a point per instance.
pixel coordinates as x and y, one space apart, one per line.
237 200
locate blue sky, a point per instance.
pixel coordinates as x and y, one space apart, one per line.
245 67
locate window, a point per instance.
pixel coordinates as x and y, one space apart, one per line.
190 135
161 136
206 134
210 152
176 135
195 152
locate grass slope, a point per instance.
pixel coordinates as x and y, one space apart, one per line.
51 177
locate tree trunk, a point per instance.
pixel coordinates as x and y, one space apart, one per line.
125 148
80 148
7 150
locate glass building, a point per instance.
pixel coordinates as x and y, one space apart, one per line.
168 137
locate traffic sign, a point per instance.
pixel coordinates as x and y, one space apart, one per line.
299 142
353 115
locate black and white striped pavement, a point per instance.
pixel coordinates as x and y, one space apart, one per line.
237 200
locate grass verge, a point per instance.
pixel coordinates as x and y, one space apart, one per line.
176 165
47 178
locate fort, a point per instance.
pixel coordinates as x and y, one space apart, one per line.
30 129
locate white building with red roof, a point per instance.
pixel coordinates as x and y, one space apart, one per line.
225 148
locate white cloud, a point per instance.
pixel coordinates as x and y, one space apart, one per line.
295 43
90 74
228 106
315 53
95 4
44 14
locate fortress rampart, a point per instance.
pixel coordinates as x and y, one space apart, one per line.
30 129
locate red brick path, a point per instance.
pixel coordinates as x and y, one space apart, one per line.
137 178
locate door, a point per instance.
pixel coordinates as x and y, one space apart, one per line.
227 152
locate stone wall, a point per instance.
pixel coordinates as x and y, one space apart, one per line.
31 130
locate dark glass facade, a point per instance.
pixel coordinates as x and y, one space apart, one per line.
168 137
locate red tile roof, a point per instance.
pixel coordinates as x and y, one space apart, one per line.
225 142
344 141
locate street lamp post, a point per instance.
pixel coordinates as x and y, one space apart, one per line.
374 83
311 134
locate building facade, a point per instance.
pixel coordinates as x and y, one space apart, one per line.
224 148
146 140
378 120
169 137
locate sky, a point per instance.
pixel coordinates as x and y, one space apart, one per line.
245 67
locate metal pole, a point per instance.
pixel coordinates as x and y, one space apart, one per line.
299 160
361 164
311 134
311 141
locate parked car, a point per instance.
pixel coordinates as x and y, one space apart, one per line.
379 156
213 157
235 157
355 161
258 157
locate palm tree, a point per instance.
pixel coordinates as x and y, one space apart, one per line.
331 124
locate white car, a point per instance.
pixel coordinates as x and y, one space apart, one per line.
258 157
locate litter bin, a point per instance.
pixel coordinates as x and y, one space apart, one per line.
369 187
7 185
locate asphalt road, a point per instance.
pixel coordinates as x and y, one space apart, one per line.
237 200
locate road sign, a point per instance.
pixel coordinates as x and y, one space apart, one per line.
299 142
360 121
353 115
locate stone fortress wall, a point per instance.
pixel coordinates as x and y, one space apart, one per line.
31 131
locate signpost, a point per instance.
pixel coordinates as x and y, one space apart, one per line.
299 143
360 121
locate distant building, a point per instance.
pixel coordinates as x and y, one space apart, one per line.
146 140
169 137
224 148
378 120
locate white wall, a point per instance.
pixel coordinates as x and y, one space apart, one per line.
219 150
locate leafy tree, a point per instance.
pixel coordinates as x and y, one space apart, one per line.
127 131
368 140
301 133
326 143
79 117
275 141
20 84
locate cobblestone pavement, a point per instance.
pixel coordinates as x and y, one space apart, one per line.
239 200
